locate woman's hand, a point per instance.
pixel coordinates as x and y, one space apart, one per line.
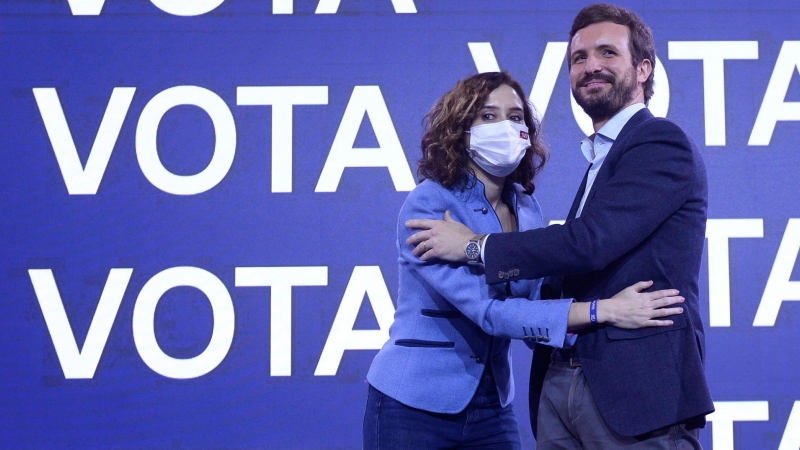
631 308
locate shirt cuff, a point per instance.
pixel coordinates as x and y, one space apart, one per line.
483 246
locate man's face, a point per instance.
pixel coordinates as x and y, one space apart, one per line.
602 74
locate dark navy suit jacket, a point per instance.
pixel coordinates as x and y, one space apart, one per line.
644 219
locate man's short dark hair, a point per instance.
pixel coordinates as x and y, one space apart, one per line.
641 37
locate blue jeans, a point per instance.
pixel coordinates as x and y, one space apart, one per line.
483 424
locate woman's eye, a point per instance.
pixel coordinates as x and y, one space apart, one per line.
516 118
488 116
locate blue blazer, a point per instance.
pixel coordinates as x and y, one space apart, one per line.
644 219
449 324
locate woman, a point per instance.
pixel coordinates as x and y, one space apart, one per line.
443 379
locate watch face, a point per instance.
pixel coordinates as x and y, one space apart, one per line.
473 251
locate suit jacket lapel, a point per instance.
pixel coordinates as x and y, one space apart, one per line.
553 286
632 123
577 201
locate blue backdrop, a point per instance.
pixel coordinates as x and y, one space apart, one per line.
199 200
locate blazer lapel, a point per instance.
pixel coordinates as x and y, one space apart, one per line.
577 201
553 286
632 123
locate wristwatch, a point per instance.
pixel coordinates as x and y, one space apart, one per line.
473 249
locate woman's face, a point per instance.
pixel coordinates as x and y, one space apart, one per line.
502 104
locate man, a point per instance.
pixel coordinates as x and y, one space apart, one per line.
639 214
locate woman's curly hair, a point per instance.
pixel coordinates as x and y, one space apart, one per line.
445 157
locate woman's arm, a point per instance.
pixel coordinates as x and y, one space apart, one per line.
464 286
630 308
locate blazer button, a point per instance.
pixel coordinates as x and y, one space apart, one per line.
479 360
516 272
485 210
501 275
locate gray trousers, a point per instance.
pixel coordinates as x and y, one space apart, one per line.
568 419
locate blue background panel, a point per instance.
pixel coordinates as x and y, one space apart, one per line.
412 58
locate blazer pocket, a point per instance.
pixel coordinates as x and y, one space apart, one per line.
424 343
614 333
441 314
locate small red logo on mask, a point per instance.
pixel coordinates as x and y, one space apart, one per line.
523 134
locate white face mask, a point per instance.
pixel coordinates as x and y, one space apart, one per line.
498 147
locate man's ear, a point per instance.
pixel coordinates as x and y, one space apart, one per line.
644 70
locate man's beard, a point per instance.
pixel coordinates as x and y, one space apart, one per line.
604 106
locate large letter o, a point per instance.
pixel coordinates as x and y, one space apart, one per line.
147 150
144 335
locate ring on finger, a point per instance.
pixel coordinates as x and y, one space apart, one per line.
425 245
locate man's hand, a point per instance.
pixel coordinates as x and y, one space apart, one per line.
444 239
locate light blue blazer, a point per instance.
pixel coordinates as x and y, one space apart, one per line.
449 323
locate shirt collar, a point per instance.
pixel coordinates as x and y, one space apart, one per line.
609 132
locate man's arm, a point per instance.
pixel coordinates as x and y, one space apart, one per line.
464 287
651 180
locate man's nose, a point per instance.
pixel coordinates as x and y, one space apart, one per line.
592 65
